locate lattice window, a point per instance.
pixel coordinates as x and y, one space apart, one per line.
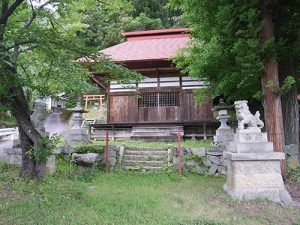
159 99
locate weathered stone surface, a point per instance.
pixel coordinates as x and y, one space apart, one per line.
241 137
213 169
215 153
223 162
199 152
200 170
206 162
192 163
112 161
76 136
222 170
63 149
86 159
251 147
254 156
245 117
253 169
214 159
38 118
183 151
50 166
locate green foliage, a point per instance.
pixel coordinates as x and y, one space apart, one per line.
226 47
288 82
197 159
44 149
83 149
7 121
106 22
294 174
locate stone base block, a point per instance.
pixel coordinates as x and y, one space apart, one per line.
251 147
271 194
14 156
76 136
224 135
244 137
254 175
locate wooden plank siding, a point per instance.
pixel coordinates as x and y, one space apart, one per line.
124 104
123 109
159 114
195 112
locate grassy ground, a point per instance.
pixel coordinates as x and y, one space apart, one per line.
129 198
158 144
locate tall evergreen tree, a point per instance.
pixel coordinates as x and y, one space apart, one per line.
237 48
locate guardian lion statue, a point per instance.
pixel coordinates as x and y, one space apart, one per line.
246 118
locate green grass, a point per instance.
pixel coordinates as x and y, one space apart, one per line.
8 121
128 198
159 144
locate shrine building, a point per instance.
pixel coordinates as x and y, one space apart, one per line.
166 99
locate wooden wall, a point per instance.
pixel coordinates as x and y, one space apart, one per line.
160 114
124 109
195 112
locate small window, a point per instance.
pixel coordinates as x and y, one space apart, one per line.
159 99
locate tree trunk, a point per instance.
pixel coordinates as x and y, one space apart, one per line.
290 110
270 82
29 136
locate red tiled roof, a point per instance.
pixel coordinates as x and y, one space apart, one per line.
149 45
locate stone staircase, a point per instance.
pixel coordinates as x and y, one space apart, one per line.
154 133
144 158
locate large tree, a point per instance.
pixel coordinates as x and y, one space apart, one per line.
237 49
107 21
38 48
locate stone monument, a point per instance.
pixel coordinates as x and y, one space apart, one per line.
224 133
38 118
253 168
77 134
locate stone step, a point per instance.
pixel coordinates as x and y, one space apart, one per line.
156 168
145 158
142 163
145 153
144 149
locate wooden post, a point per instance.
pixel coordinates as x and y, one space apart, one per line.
179 153
100 106
90 131
106 152
86 104
270 82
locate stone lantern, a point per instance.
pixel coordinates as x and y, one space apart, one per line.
77 134
224 133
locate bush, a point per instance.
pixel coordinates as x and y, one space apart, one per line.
83 149
294 174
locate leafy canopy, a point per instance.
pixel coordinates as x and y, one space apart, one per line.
41 41
226 47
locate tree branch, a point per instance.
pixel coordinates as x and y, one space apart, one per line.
33 16
8 11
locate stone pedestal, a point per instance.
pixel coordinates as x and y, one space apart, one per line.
224 133
14 156
77 134
253 168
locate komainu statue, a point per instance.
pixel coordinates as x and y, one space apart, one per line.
246 118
